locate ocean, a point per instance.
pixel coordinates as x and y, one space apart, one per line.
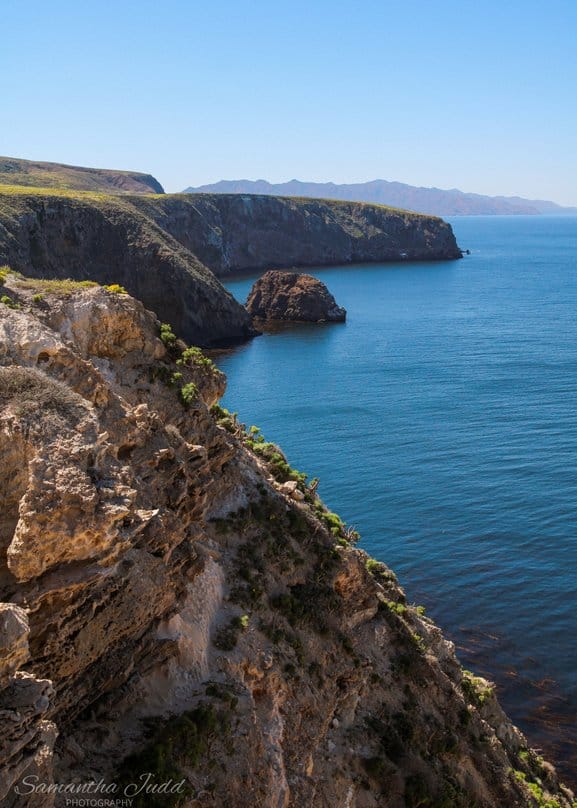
441 420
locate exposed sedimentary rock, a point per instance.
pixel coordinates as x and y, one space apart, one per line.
293 296
26 739
13 641
194 610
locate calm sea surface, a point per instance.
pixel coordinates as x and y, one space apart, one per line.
442 422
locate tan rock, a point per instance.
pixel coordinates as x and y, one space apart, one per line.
161 568
14 632
291 489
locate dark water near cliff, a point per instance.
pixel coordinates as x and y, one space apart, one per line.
442 422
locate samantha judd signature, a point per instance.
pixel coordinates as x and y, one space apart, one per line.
147 785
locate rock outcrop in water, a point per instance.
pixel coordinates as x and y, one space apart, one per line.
295 297
166 593
165 248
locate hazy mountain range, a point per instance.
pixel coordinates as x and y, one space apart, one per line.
409 197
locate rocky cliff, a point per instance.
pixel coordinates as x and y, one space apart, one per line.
178 602
231 233
107 239
164 249
293 296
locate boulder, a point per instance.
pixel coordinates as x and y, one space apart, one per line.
293 296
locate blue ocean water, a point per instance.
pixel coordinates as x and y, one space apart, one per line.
442 422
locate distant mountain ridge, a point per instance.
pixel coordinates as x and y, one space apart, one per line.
30 173
433 201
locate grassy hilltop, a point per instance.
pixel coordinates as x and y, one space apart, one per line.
30 173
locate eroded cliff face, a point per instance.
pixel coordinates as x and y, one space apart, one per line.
106 239
231 233
173 591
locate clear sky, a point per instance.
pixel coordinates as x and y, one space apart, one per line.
480 96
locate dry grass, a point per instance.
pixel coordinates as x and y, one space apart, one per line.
35 397
65 193
53 285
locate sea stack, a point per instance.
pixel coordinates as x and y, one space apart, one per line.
293 297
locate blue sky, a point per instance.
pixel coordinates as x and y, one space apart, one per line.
475 95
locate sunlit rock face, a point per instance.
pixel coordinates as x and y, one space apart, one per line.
171 588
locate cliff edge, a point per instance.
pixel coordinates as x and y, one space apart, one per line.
176 600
